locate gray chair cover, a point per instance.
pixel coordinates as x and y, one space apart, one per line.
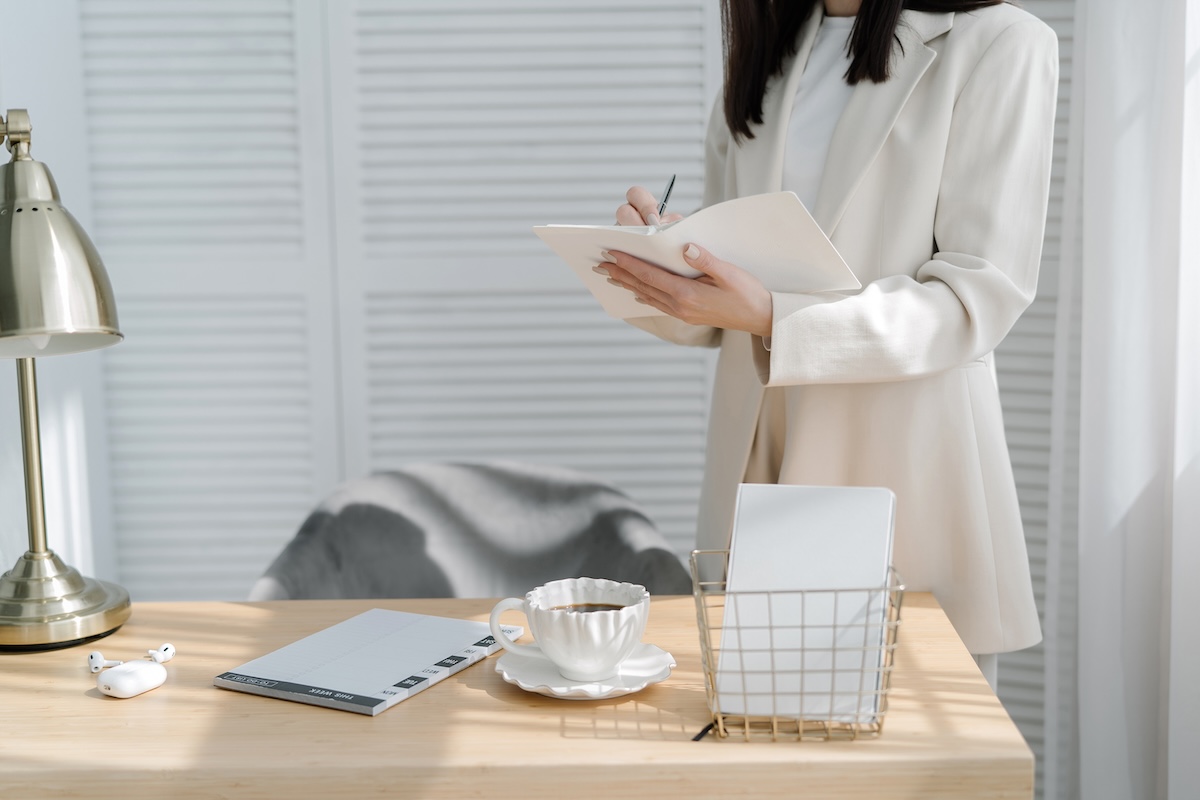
470 530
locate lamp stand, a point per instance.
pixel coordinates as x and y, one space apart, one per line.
44 603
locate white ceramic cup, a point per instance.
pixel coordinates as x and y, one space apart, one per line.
585 645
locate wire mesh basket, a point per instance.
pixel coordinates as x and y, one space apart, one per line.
795 665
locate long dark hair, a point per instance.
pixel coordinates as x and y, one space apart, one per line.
760 34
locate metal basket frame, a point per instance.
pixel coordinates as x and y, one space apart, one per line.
875 654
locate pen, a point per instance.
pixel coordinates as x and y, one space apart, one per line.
662 206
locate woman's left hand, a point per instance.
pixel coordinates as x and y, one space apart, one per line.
725 296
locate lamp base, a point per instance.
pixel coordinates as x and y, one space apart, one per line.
46 605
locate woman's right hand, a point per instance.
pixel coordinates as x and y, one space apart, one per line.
641 208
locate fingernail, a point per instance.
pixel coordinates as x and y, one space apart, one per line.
652 219
691 251
607 256
599 270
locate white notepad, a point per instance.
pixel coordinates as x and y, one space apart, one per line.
806 656
369 662
771 235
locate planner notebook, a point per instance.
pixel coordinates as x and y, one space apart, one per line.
369 662
812 654
771 235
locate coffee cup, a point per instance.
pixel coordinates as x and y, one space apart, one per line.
585 626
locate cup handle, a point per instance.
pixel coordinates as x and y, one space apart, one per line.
511 604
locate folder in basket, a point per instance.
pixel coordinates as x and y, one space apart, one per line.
806 602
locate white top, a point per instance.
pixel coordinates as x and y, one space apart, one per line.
820 100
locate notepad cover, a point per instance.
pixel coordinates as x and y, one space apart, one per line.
771 235
369 662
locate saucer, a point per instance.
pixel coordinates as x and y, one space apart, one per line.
646 665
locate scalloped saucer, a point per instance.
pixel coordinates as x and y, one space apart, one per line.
646 665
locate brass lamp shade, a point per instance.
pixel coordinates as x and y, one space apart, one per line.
55 298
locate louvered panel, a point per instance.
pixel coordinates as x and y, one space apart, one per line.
194 138
1023 690
1025 368
479 376
491 120
1062 670
471 124
210 417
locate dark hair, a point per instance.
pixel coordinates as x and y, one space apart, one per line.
760 34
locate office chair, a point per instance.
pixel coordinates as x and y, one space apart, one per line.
493 529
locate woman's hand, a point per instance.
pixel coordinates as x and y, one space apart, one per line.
725 296
641 208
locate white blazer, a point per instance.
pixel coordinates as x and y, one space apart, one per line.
935 193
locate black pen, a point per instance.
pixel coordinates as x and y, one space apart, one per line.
662 206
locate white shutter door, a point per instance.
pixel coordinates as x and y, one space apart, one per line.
207 140
1025 366
460 124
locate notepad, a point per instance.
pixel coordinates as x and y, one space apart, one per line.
771 235
811 654
368 663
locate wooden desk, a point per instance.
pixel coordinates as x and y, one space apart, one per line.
474 735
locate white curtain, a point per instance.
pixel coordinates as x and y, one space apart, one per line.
1125 653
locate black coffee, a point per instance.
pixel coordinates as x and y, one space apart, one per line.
586 607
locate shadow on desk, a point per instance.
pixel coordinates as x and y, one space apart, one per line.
666 712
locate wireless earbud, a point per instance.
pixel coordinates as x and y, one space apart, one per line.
131 678
163 654
96 661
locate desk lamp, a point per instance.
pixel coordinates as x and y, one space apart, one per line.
55 299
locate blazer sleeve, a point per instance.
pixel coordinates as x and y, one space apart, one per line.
988 229
716 149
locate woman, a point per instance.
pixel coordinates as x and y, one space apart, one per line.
922 148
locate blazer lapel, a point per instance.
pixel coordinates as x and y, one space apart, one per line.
759 161
871 113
